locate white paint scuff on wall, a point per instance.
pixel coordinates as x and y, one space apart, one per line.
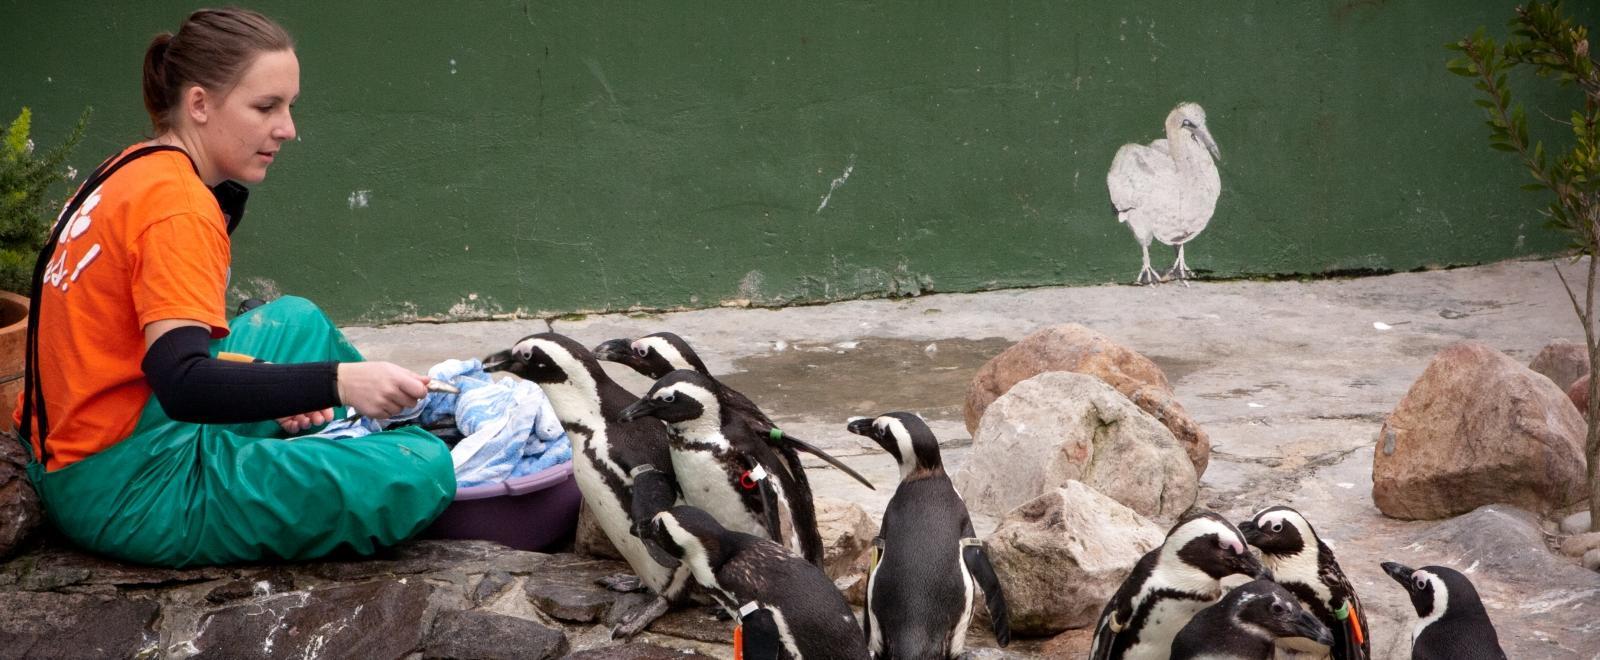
850 166
594 68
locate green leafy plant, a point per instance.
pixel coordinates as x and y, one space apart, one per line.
27 205
1546 40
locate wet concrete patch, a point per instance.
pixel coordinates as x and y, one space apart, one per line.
868 376
1176 367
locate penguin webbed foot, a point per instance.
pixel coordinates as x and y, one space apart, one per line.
639 618
622 583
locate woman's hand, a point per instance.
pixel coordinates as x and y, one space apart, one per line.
380 390
298 423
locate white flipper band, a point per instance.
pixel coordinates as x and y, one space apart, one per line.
747 608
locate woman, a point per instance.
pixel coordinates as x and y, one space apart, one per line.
156 441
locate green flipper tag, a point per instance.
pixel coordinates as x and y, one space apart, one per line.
775 433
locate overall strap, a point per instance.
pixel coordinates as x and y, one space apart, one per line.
31 386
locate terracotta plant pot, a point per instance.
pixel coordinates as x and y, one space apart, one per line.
13 349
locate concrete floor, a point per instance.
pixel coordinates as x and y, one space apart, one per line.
1291 379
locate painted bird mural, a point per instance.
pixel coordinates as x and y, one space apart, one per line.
1168 190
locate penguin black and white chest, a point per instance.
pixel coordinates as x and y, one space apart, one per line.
1246 623
739 480
1300 561
809 618
1451 620
929 563
1169 585
623 468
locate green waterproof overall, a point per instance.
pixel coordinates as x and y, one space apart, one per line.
179 494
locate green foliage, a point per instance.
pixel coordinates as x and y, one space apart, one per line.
1554 47
27 207
1546 40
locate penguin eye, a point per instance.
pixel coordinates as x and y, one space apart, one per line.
1188 124
641 351
1278 607
1277 526
667 398
1420 582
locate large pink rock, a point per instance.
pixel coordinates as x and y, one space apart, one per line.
1072 347
1478 428
1062 555
1578 394
1060 427
1562 362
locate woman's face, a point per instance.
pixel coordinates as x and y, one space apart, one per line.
244 130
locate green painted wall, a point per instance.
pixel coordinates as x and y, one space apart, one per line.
539 157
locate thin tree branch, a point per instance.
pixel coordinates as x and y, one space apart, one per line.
1576 308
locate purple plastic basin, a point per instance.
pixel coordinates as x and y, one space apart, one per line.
538 512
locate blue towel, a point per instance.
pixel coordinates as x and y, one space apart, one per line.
509 427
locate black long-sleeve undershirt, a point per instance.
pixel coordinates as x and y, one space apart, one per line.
194 387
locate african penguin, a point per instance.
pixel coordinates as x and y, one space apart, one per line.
721 469
1170 584
929 562
622 467
1245 624
747 573
1304 565
1452 622
654 355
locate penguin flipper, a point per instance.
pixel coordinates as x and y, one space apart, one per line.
825 456
1350 642
769 510
866 602
759 638
978 566
1117 613
802 507
653 492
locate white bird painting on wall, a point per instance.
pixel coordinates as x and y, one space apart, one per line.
1168 190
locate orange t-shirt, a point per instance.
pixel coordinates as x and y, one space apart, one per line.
149 244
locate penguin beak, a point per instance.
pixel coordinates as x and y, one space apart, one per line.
1307 626
1252 534
1400 572
860 426
640 408
662 557
615 350
500 361
1248 564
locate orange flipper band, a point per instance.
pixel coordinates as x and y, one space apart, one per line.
1355 625
1352 618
